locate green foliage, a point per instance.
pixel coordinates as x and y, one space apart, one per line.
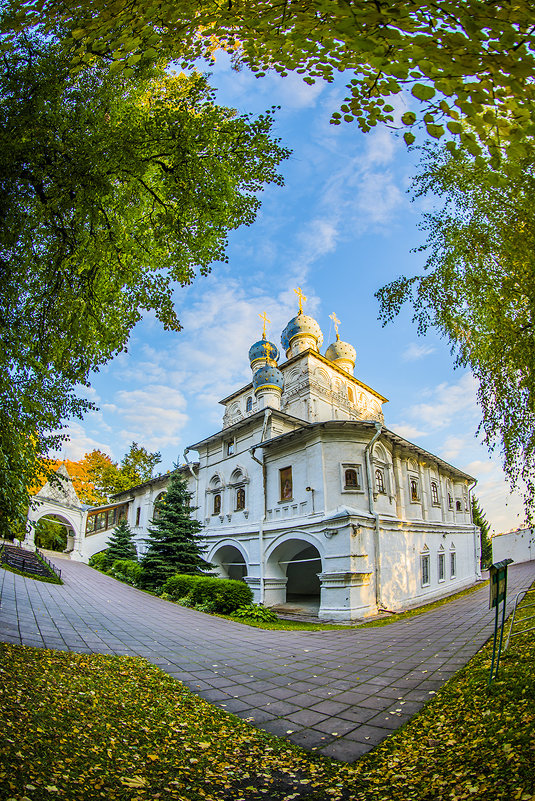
256 612
479 519
208 594
51 536
126 570
120 544
461 59
113 190
99 561
157 739
478 291
173 541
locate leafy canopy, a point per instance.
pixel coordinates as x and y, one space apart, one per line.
467 63
479 292
114 189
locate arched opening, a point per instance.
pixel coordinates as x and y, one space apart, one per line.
302 574
292 572
230 563
53 533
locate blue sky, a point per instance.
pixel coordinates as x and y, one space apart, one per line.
341 227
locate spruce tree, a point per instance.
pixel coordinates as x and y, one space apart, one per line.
173 538
478 516
121 544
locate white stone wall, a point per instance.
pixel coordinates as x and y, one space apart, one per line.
516 545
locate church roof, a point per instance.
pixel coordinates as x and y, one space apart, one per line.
252 418
396 439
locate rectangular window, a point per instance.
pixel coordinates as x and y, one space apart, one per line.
425 570
453 564
90 526
122 513
286 486
112 518
441 566
230 447
100 521
351 477
138 515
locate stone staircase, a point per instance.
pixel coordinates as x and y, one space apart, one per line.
27 561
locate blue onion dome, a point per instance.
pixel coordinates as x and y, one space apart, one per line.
268 377
301 324
341 350
263 350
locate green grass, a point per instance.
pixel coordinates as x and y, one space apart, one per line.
86 727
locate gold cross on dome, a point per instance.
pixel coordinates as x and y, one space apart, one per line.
301 297
265 318
336 322
267 349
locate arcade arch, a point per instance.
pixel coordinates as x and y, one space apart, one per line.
292 569
230 562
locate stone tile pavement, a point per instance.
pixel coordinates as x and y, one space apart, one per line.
340 692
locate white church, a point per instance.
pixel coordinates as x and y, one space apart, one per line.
306 495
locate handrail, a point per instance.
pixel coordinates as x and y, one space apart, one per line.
522 593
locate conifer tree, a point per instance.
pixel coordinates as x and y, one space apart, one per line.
478 516
121 544
173 538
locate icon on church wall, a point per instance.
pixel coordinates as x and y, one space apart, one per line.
286 484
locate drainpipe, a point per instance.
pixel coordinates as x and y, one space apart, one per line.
367 455
195 476
261 522
476 537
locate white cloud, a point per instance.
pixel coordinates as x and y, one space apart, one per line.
453 446
446 402
155 414
415 351
408 431
80 443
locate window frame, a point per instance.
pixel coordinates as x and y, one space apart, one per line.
380 485
216 501
285 474
435 494
425 559
239 493
345 467
453 563
441 566
416 496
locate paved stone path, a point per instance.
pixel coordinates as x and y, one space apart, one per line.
340 692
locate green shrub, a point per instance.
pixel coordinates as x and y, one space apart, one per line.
126 570
223 596
99 560
256 612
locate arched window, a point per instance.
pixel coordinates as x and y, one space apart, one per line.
240 499
248 404
351 479
350 394
217 504
158 505
414 490
458 506
434 493
379 481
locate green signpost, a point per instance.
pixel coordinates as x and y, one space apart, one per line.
498 595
